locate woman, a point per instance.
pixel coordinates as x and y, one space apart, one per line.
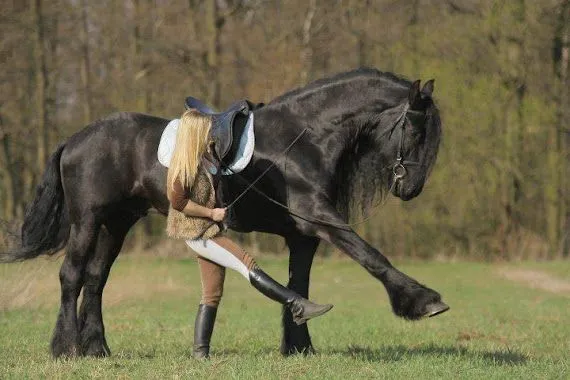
194 217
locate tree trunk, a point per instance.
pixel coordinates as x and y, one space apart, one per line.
307 49
41 84
192 18
514 82
85 64
141 96
28 155
556 186
414 21
564 131
11 195
54 76
139 57
360 33
214 26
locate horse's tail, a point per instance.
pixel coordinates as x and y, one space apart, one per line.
46 225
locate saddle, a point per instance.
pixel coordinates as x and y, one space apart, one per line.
227 126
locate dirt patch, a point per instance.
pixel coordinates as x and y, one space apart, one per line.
35 284
537 280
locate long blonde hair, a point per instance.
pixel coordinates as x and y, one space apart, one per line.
192 140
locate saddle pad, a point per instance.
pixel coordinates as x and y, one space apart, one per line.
242 158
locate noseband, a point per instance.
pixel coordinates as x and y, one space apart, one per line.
399 169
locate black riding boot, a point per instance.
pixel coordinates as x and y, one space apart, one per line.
203 328
301 308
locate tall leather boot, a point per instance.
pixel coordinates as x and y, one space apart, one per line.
203 328
302 309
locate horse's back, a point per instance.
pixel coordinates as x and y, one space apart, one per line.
119 125
114 158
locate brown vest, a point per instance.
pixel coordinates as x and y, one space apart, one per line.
180 226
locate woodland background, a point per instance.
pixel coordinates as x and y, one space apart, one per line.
499 189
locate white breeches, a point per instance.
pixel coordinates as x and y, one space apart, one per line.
212 251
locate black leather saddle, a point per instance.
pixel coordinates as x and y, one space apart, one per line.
227 126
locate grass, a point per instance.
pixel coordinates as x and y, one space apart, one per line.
496 328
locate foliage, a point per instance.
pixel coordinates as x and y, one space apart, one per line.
499 189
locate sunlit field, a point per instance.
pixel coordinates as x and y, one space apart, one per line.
506 321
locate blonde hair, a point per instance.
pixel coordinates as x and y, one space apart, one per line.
192 140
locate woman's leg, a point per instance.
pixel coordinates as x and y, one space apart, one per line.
225 252
212 276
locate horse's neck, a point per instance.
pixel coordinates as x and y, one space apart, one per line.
343 111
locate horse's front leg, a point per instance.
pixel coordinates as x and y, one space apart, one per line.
296 338
409 298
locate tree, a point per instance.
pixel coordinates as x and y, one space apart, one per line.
85 64
556 190
41 85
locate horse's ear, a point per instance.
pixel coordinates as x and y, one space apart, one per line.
428 87
414 92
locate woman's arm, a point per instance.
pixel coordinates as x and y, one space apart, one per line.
194 209
180 202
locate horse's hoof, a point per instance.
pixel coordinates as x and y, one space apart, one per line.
97 351
434 309
65 352
300 350
95 346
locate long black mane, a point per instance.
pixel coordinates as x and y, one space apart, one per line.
363 73
363 177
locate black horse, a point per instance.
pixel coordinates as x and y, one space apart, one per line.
368 132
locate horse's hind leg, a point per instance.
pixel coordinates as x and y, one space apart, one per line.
109 243
65 339
296 338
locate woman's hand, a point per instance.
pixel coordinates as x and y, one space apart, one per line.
218 214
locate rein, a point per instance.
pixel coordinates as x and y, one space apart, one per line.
252 184
399 171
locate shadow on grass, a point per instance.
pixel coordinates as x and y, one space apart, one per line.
382 354
397 353
216 352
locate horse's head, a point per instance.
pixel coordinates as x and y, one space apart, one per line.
410 146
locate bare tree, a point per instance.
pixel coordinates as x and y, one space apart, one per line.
556 191
306 47
9 175
41 87
85 63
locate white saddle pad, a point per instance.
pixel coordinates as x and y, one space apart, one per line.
243 154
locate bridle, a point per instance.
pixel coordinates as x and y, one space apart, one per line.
399 169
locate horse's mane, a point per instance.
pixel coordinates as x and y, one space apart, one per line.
360 178
357 74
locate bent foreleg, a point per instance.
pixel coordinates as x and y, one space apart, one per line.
409 298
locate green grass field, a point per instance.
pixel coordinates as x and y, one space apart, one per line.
506 321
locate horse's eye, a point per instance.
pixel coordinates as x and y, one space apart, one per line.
417 120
